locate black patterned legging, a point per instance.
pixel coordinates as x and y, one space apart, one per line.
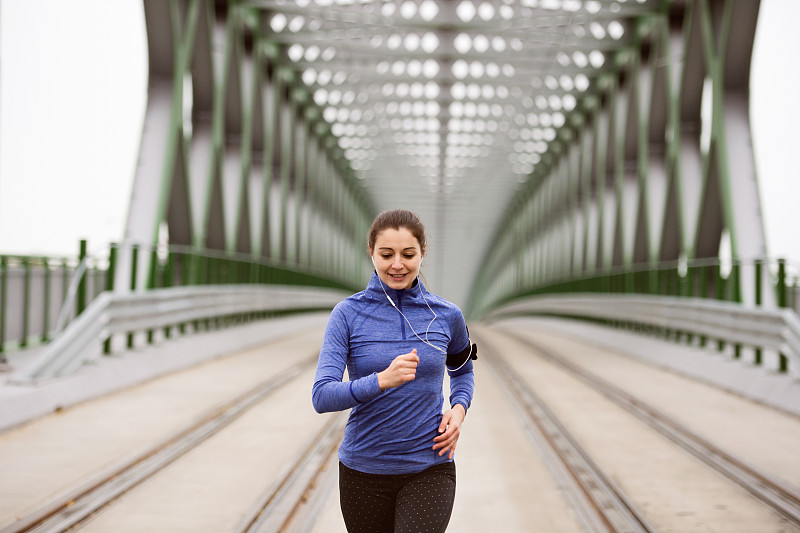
401 503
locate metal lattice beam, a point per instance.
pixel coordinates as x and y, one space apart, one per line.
537 138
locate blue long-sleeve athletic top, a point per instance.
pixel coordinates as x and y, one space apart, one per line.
391 431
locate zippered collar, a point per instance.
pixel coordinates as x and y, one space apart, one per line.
376 288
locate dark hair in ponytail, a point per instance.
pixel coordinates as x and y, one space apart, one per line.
396 219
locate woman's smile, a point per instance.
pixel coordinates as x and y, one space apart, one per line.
397 257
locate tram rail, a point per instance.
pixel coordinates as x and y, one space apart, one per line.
77 506
776 494
292 501
599 504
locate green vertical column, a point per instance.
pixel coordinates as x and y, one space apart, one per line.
134 270
64 280
691 282
720 295
704 273
781 283
81 301
112 269
689 287
152 273
300 151
680 283
783 361
3 310
152 282
46 304
168 279
26 301
736 296
285 128
190 266
653 280
340 247
758 354
324 201
312 178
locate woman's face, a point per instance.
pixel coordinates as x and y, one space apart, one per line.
397 256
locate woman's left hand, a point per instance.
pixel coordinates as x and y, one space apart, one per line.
449 430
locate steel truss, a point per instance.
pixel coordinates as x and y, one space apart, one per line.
234 157
656 165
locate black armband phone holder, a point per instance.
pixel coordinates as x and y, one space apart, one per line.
457 360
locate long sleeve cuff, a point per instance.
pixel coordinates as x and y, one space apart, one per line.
334 395
366 388
462 386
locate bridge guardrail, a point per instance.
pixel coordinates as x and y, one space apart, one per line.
776 329
111 314
40 295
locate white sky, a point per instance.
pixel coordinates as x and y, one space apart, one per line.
73 81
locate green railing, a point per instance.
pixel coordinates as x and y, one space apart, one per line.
728 280
33 290
41 295
755 282
180 266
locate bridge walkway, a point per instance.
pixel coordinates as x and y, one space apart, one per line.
215 432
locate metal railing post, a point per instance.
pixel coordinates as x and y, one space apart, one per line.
153 272
134 269
169 270
758 354
112 268
783 361
735 295
781 285
3 313
46 322
720 295
26 302
167 281
688 292
82 285
152 283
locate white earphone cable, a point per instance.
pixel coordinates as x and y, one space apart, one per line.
425 340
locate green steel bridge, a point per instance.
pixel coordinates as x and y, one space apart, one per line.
552 147
586 174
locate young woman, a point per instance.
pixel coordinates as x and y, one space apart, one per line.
396 470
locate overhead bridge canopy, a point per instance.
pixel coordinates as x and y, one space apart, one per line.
537 139
447 107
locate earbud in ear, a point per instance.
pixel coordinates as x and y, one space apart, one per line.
421 260
373 262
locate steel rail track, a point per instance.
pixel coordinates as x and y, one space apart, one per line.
293 500
79 504
599 504
778 495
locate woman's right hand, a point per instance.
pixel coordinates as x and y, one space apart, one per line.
402 370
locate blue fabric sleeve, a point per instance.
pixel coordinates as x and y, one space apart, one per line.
462 381
329 392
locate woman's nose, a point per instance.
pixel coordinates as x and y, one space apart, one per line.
397 263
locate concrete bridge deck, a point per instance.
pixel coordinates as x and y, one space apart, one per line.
224 423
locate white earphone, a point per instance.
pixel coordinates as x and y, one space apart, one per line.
425 340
